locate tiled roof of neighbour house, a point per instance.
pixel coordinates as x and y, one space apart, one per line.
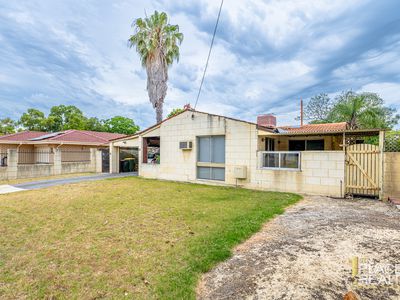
75 136
21 136
85 136
313 128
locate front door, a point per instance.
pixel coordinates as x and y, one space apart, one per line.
105 160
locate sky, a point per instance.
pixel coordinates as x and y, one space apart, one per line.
267 55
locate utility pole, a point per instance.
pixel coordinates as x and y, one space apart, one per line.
301 112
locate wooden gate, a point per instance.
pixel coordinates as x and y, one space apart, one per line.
363 170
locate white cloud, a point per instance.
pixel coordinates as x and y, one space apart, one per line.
389 91
267 54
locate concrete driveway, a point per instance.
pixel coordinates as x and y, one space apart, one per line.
34 185
306 253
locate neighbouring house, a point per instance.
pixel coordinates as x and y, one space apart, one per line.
36 153
193 146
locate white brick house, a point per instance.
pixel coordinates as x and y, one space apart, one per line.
206 148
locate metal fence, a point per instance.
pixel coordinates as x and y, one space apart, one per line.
35 157
3 159
75 155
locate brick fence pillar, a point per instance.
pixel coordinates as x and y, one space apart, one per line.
57 162
99 160
12 164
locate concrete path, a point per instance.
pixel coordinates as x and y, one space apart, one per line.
306 253
34 185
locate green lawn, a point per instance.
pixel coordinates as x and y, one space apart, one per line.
123 238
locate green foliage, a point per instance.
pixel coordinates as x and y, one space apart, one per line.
64 117
318 108
157 44
364 110
33 119
154 36
120 124
175 111
95 124
7 126
359 110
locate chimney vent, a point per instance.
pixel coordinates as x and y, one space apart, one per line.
267 120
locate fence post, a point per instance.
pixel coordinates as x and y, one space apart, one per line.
382 164
57 166
93 159
12 164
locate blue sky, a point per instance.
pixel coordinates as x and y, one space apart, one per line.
267 55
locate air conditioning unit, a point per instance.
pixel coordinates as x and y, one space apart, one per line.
240 172
186 145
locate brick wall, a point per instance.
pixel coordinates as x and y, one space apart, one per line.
322 173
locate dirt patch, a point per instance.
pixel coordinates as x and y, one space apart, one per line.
306 254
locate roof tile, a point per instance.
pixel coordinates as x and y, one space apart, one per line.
80 136
315 128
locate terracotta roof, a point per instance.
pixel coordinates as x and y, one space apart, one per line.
85 136
76 136
22 136
314 128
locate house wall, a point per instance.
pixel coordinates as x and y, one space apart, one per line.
322 172
179 164
391 183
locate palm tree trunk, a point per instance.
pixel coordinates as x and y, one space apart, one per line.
159 111
157 76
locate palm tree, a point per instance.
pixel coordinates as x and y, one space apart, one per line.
156 43
363 110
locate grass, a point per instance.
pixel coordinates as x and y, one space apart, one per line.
124 238
23 180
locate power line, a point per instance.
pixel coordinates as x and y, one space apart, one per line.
209 54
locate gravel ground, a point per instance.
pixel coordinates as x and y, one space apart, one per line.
306 254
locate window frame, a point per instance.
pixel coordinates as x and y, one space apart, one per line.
210 164
306 144
280 153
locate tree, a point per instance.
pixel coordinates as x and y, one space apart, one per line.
175 112
318 108
120 124
363 110
33 119
63 117
156 42
7 126
95 124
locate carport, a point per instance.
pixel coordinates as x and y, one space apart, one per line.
124 155
128 159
